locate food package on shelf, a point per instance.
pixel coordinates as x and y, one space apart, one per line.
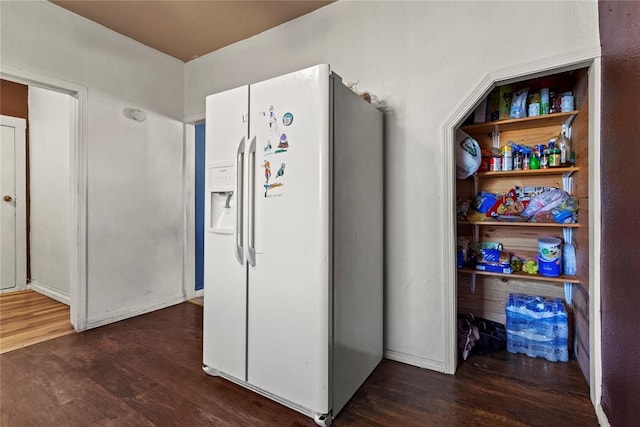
545 201
494 260
507 205
484 201
462 207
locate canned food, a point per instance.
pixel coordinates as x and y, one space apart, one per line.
507 163
496 164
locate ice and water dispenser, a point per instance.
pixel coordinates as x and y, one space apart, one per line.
223 201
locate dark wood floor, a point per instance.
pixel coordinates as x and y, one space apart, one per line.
147 371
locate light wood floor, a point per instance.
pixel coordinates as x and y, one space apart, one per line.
197 301
27 317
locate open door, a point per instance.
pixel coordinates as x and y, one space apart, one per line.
13 266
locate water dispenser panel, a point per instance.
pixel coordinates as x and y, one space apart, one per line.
221 198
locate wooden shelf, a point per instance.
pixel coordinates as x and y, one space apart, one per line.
495 223
563 278
539 172
555 119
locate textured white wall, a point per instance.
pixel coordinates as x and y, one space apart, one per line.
50 115
135 215
423 59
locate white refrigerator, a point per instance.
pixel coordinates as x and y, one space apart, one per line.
293 297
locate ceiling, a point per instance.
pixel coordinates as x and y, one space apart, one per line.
187 29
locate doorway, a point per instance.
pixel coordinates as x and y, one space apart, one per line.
51 116
77 192
591 270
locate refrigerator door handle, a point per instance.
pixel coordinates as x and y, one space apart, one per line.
251 238
238 230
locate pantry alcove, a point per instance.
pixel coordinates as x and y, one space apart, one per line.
586 295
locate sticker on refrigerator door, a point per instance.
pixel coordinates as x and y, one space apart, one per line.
283 145
276 138
268 185
267 171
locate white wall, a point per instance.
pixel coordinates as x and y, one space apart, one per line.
423 59
135 215
50 124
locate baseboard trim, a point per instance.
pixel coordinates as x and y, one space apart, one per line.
418 361
126 313
49 291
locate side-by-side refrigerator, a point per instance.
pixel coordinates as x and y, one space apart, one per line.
294 240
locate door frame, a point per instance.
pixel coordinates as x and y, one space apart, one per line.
20 175
587 58
188 253
78 187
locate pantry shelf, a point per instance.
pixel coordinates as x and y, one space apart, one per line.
523 123
494 223
540 172
563 278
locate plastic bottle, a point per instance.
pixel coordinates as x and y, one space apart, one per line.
544 160
566 157
534 162
554 154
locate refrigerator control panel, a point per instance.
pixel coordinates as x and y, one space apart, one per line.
221 177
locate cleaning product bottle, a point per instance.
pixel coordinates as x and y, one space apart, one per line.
534 162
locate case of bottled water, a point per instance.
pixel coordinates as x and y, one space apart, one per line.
537 327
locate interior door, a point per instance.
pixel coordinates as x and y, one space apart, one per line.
12 205
288 323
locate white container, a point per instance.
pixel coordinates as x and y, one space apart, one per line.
566 104
549 256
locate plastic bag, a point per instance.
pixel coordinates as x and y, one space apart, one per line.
544 202
569 259
468 155
484 201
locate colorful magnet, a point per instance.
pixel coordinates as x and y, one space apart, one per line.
287 119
